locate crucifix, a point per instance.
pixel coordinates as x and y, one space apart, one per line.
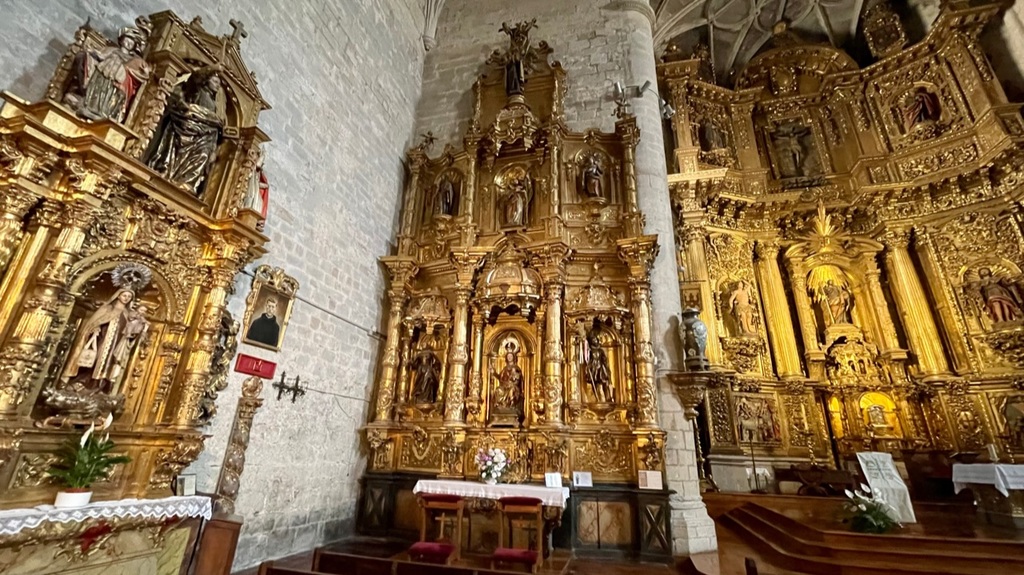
294 389
238 31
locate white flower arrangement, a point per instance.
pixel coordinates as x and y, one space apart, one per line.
869 512
491 463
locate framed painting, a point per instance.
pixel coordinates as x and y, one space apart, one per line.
268 308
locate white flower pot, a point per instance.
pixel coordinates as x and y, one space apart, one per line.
491 481
72 499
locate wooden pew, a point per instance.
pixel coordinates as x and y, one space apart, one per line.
413 568
268 568
333 563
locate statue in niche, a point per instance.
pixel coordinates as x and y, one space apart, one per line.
794 151
185 144
591 177
1013 413
835 302
257 195
709 137
103 83
920 106
515 200
516 59
447 200
597 371
999 296
742 309
508 393
426 369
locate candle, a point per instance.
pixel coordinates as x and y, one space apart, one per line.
803 417
992 455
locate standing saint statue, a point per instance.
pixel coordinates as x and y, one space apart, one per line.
920 106
515 202
104 82
508 393
999 301
427 369
516 63
185 144
446 204
598 373
835 302
104 343
591 178
743 311
257 194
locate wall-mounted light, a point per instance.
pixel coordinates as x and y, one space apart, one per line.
623 94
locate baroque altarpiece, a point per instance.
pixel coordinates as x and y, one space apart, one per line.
519 311
126 215
853 237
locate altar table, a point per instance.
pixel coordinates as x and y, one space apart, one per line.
998 490
549 496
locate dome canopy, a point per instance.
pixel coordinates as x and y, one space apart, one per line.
509 281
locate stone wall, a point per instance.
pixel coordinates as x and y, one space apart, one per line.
343 79
598 42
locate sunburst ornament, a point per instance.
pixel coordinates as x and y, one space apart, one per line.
131 275
826 233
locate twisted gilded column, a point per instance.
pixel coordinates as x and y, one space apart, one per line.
640 254
401 271
776 310
230 478
476 378
912 303
466 263
949 318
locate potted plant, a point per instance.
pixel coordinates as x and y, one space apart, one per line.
868 512
492 464
80 463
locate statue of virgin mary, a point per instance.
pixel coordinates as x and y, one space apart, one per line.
104 343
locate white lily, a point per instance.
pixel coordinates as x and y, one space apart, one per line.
85 436
108 421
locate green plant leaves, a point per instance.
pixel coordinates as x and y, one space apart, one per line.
79 465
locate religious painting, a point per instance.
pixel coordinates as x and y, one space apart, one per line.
995 291
1012 410
268 308
757 420
794 151
918 108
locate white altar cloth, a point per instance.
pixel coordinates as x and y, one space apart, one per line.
885 481
549 496
14 520
1002 476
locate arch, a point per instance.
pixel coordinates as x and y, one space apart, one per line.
94 266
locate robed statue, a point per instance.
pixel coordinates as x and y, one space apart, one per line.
103 83
998 297
598 373
591 178
515 202
447 200
516 61
104 343
835 302
426 375
185 144
919 107
508 391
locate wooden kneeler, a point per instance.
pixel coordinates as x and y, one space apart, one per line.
530 506
438 551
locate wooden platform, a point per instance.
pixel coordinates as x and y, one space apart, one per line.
805 535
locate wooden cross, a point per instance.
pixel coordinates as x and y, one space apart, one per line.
238 32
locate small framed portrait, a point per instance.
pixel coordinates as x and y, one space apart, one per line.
268 308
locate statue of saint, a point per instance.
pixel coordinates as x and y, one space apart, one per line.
509 390
257 195
515 199
591 178
709 136
920 106
1000 302
427 369
104 82
598 374
518 52
742 309
104 343
447 200
835 301
185 144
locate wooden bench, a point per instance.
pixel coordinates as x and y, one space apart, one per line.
268 568
333 563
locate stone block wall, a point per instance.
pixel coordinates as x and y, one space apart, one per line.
343 79
598 42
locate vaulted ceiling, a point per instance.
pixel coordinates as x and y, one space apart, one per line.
736 29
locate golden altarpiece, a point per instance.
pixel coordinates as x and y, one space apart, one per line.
519 310
853 235
126 215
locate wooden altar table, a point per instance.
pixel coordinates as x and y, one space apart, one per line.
998 490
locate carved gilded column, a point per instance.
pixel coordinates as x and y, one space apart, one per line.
553 356
872 278
465 263
913 306
14 205
804 314
630 134
401 271
476 379
776 310
693 236
639 254
16 202
945 307
25 351
234 456
417 157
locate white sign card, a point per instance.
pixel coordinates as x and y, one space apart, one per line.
582 479
886 483
185 485
552 479
650 479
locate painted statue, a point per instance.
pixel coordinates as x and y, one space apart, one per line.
794 151
185 144
920 106
999 300
518 52
427 375
694 336
597 371
508 393
447 198
591 185
104 82
709 136
257 194
104 343
741 308
515 203
835 302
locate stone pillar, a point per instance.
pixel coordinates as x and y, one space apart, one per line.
553 356
465 263
922 334
692 529
401 271
776 310
945 306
